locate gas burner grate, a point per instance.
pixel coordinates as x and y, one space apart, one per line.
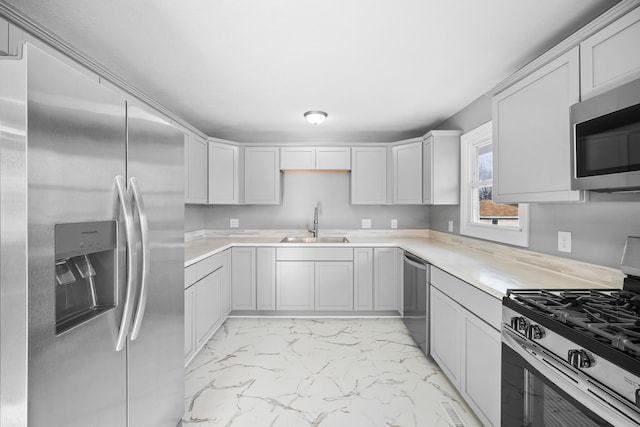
609 316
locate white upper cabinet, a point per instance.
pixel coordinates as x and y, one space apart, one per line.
262 176
407 174
369 176
224 174
333 158
611 57
315 158
195 164
531 134
441 168
297 158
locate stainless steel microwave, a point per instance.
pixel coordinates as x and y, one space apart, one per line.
605 141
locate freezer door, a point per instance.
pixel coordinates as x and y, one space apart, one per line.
156 366
76 147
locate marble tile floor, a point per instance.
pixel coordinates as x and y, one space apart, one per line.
317 372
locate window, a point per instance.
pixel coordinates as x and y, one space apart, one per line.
480 216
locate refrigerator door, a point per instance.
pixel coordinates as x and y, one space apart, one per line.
13 244
155 357
76 147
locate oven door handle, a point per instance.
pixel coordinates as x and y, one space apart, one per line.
574 383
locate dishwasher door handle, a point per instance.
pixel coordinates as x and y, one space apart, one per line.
415 262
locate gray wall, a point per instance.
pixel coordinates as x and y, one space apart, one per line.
599 228
194 217
301 192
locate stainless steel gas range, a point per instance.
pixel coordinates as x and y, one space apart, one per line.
572 357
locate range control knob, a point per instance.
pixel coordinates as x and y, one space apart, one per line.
519 324
579 359
535 332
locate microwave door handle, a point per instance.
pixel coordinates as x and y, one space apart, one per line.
144 234
571 382
132 262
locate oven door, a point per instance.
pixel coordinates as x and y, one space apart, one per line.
538 389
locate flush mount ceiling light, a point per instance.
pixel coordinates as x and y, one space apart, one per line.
315 117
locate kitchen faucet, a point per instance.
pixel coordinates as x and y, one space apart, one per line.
315 222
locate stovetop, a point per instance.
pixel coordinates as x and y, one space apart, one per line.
605 321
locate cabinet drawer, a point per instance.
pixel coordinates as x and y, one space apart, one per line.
209 265
473 299
314 254
190 275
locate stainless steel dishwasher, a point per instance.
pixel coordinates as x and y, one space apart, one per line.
416 300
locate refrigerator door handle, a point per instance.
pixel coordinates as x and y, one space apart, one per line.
132 262
144 233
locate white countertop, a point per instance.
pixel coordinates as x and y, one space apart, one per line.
488 272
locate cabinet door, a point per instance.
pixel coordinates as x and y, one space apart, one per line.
363 278
297 158
333 158
243 278
441 168
226 283
444 334
334 286
295 285
480 379
369 176
531 135
224 174
385 279
197 167
207 306
187 169
611 57
427 171
407 174
189 338
266 278
262 176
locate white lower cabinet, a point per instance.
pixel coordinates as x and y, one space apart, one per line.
480 381
445 316
334 286
189 340
226 283
385 279
243 278
206 300
266 278
468 350
207 307
363 279
295 285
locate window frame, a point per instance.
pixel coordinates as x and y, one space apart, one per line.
517 236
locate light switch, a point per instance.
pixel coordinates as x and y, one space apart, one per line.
394 223
366 223
450 226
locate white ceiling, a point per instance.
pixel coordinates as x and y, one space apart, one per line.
247 70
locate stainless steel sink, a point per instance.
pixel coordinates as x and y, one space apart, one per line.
315 240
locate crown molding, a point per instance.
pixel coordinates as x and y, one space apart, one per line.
24 22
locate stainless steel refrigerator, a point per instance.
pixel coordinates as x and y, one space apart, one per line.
92 255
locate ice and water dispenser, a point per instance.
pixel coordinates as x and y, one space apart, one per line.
86 271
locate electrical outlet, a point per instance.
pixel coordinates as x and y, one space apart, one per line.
450 226
234 223
394 223
564 241
366 223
